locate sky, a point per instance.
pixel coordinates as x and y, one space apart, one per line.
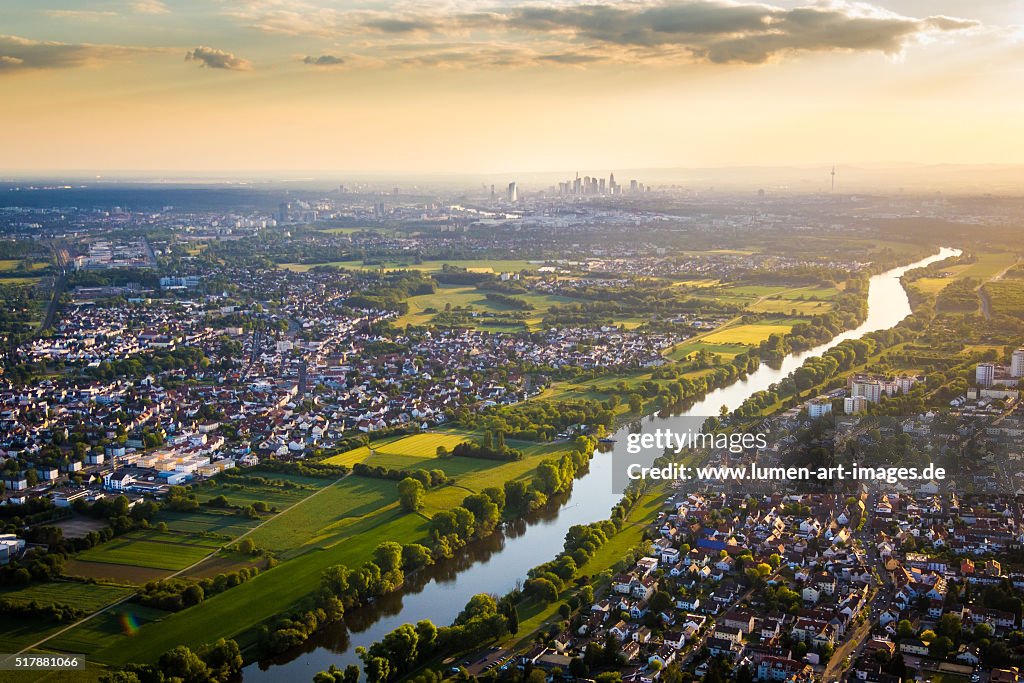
468 86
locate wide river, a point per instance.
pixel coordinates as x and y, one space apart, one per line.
497 564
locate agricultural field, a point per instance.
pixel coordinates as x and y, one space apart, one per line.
400 453
125 619
116 573
244 493
152 549
423 308
10 266
1007 296
988 265
692 346
224 562
328 516
84 596
207 521
232 613
750 334
419 451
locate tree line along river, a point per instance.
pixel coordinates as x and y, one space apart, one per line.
496 564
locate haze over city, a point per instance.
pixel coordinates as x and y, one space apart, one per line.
283 86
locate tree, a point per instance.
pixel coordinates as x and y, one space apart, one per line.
223 658
410 494
182 663
513 619
416 556
485 512
120 677
479 606
661 602
388 556
940 647
905 629
427 633
542 589
578 668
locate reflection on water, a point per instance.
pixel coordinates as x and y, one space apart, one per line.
497 564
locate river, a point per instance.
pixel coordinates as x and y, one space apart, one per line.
497 564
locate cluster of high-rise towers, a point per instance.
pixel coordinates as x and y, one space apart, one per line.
586 185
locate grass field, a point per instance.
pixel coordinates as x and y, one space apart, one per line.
152 549
412 448
12 265
229 614
328 517
423 308
790 306
689 347
751 334
225 523
18 633
99 632
251 493
84 596
224 562
481 266
986 266
1007 296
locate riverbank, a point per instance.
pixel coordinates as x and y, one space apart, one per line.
591 498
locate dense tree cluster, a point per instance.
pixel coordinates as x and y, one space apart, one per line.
173 595
220 662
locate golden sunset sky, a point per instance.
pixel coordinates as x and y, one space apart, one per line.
471 86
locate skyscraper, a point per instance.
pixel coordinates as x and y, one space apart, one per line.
1017 363
282 212
985 374
513 192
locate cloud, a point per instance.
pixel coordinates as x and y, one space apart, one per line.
588 31
722 33
217 59
23 54
79 14
149 7
400 25
323 60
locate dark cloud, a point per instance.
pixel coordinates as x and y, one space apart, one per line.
569 58
217 59
706 30
22 54
323 60
720 32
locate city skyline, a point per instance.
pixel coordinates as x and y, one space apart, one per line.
281 85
